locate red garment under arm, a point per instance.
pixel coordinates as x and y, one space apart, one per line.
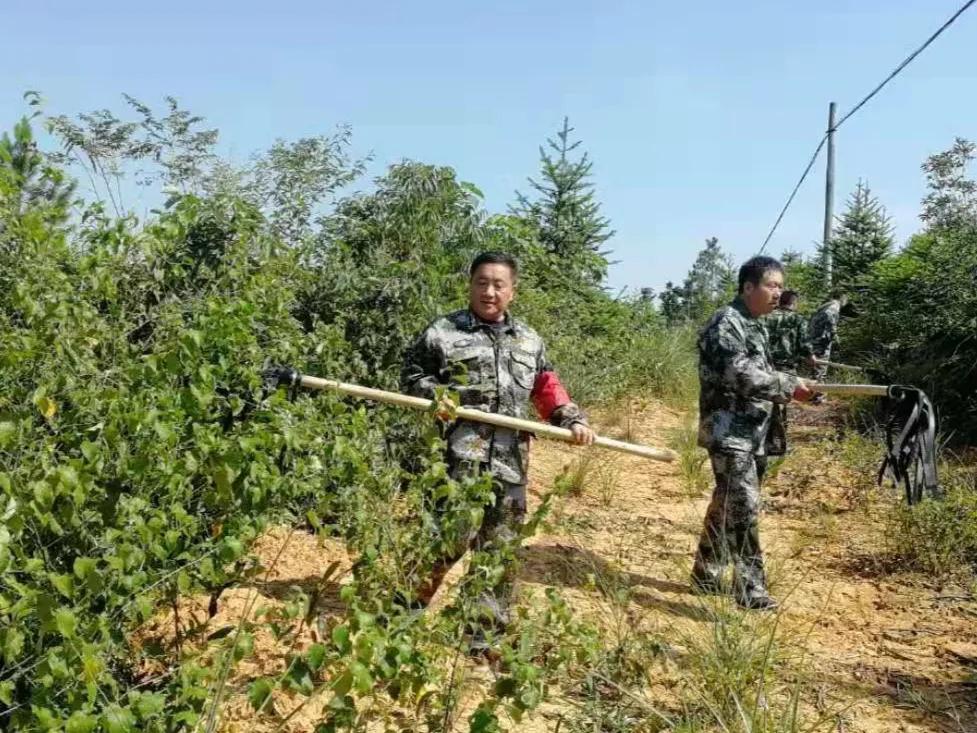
548 394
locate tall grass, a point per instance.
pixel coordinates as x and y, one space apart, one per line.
938 537
693 461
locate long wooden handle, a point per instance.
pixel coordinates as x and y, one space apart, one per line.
491 418
874 390
836 365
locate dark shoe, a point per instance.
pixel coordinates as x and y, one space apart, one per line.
818 399
758 603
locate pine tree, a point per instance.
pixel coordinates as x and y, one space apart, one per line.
708 285
673 303
862 237
804 276
566 212
34 179
710 280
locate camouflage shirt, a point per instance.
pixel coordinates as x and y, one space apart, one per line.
493 367
787 336
737 382
823 328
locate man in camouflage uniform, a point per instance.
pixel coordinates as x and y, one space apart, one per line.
738 386
823 330
789 347
494 363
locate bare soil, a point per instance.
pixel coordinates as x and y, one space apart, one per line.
880 650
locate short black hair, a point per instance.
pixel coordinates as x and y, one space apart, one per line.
753 270
494 258
788 297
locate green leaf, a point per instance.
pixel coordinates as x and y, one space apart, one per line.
8 430
340 637
80 722
316 656
89 450
84 566
91 667
362 679
65 622
13 644
231 549
259 692
149 705
43 494
118 720
64 585
47 407
7 692
224 479
183 582
471 188
45 717
4 548
343 684
483 721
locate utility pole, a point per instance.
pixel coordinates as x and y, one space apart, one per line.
829 194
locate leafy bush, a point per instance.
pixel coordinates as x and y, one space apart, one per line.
917 320
141 453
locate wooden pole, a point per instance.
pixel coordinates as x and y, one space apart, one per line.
825 362
872 390
829 194
491 418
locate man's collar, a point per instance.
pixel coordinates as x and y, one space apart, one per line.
473 322
739 305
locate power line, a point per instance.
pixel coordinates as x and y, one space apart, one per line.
790 199
895 72
908 60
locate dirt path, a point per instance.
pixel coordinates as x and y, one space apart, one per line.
899 651
884 651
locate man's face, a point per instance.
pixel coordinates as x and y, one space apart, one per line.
490 291
763 297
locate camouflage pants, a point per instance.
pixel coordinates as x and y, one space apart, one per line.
731 531
821 370
495 541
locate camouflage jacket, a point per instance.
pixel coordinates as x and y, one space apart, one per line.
492 369
787 336
737 382
823 328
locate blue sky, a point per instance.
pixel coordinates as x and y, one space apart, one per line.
698 116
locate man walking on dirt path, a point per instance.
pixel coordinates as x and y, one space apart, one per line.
494 363
738 386
823 330
789 348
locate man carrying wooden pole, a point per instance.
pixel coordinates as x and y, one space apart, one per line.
495 364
